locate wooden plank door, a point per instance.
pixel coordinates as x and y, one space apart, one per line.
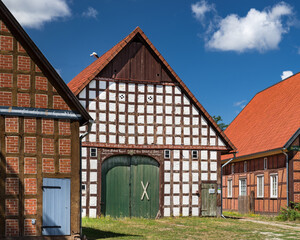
144 187
116 186
56 206
209 199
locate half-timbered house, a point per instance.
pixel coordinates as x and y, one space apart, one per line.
265 175
154 150
39 142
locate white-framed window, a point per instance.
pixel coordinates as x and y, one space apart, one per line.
260 186
242 187
232 168
93 152
167 154
229 188
195 154
245 166
83 188
265 163
274 185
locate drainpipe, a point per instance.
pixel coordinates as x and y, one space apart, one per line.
287 175
230 160
80 143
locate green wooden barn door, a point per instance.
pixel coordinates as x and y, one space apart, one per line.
130 187
209 199
144 187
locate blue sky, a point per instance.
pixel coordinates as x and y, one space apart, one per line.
224 51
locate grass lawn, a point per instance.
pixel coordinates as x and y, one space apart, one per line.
186 228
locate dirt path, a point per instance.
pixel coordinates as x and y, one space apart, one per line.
281 225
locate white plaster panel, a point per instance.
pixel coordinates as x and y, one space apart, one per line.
150 109
82 94
159 119
159 89
169 99
131 108
92 213
83 164
212 132
175 177
178 140
212 142
83 201
141 98
141 119
195 166
168 89
102 138
186 120
122 118
131 140
131 118
185 188
112 117
159 140
131 98
167 177
195 121
186 101
112 86
93 176
131 129
167 200
204 166
92 105
195 141
213 166
150 140
83 176
194 200
93 188
131 87
203 141
83 151
167 188
122 128
203 121
187 141
141 129
102 95
185 177
169 130
185 165
83 212
195 110
220 142
204 154
177 90
195 188
169 120
167 165
122 87
102 84
185 200
178 100
159 109
112 139
176 212
213 155
93 164
92 137
150 88
112 128
204 131
186 131
92 94
169 109
195 211
112 96
93 128
176 165
185 154
176 200
149 119
159 99
167 212
121 139
176 188
141 108
141 87
177 113
185 211
176 154
93 115
196 131
121 107
150 129
213 176
204 177
122 97
186 110
177 130
195 177
83 103
169 140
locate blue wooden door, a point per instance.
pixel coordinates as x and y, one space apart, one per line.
56 206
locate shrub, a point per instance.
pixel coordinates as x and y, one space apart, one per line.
291 213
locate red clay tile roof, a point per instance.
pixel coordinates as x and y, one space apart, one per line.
269 120
83 78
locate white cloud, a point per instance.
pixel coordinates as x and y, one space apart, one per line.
34 13
199 9
286 74
240 104
258 30
90 13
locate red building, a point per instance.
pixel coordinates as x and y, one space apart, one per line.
267 165
39 141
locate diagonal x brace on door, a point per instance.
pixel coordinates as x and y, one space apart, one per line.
145 191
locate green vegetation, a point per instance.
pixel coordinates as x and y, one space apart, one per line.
219 121
186 228
290 213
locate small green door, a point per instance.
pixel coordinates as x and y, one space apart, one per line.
209 199
130 187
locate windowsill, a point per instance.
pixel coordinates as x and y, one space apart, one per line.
229 197
259 197
273 198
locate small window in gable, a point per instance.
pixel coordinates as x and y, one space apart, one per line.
167 154
195 154
232 168
93 152
245 166
265 163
